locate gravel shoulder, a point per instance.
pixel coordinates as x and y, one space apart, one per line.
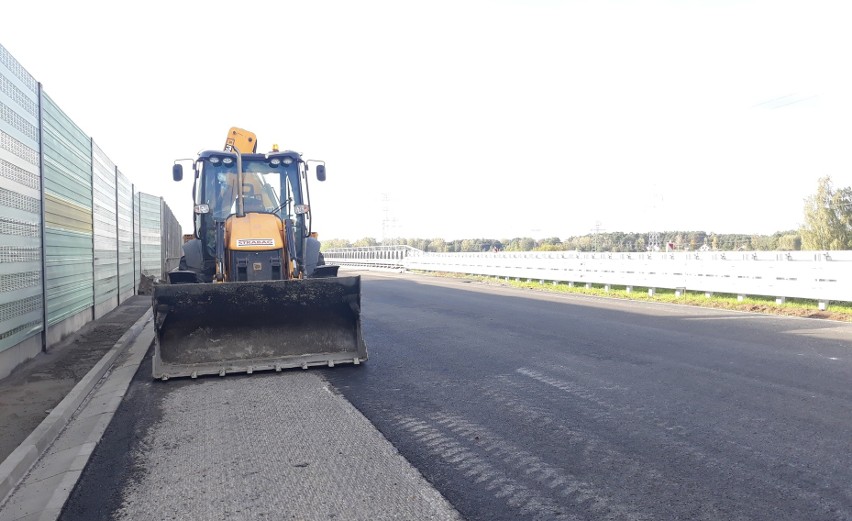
29 394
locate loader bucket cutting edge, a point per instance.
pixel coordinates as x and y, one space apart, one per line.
243 327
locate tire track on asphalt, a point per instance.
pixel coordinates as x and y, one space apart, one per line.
606 407
767 460
598 455
584 443
472 449
675 437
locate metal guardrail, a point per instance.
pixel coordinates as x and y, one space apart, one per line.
818 275
372 256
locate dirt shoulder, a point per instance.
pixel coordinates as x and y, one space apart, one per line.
32 390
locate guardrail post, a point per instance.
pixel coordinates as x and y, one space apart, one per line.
679 292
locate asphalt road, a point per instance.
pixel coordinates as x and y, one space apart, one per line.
518 405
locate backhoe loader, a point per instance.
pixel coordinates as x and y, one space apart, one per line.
251 292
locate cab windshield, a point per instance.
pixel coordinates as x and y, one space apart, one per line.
266 188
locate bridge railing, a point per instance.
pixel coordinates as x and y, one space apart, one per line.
818 275
371 256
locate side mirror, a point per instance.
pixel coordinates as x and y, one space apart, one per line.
320 172
177 172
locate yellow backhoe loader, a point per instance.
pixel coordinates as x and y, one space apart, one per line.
252 292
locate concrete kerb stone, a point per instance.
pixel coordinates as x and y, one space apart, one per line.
15 467
57 501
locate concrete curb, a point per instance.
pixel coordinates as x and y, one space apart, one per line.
22 459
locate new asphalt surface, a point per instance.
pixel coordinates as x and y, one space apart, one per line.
514 405
520 405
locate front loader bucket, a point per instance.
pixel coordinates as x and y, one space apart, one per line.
242 327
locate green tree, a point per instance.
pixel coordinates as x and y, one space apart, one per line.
438 245
366 241
764 242
470 245
549 247
828 218
513 244
789 241
585 243
550 241
420 244
332 244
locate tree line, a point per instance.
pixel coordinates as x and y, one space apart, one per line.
827 226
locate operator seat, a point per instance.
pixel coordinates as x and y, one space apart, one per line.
251 204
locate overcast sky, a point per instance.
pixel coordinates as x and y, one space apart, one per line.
461 119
